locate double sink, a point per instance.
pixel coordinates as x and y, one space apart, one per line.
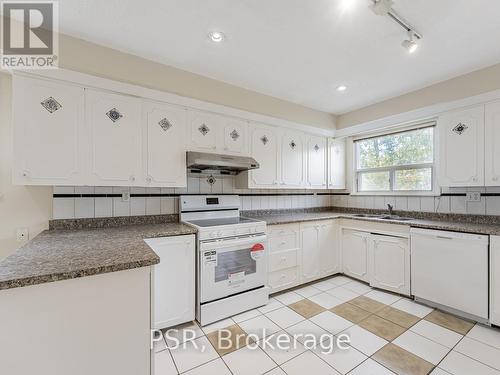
384 217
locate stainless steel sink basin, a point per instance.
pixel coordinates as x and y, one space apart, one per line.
384 217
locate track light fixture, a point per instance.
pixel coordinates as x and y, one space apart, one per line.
384 8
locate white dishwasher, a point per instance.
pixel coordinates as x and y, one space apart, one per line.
450 270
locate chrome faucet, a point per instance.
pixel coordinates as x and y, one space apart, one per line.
390 208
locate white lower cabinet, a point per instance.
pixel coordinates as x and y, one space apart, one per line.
389 263
174 280
355 254
284 246
319 251
495 280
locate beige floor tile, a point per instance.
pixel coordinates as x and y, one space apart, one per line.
401 361
306 308
351 312
381 327
397 316
449 321
228 340
367 304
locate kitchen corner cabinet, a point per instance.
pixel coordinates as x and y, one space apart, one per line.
336 164
164 149
174 280
319 253
316 162
461 151
389 263
355 249
492 140
495 280
113 122
47 132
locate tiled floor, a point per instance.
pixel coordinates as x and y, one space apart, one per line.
389 335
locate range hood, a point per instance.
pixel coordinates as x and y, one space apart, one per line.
201 162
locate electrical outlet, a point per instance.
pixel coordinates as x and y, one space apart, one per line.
22 234
473 196
125 196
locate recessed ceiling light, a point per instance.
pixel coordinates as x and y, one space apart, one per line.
410 44
342 88
216 36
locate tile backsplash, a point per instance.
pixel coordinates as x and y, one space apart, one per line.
94 202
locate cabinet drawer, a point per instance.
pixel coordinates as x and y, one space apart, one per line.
283 243
282 230
282 260
283 278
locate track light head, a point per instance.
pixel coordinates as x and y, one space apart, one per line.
410 44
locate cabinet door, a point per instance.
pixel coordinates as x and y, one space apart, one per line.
310 255
389 262
328 248
461 149
114 125
336 164
355 254
202 131
233 133
165 149
491 149
495 280
264 148
316 162
174 280
47 124
292 159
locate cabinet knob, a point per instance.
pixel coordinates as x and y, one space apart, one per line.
283 243
474 179
495 178
283 259
26 174
132 178
148 179
214 147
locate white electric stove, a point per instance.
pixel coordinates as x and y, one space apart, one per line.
231 256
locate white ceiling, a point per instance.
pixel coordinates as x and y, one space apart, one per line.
298 50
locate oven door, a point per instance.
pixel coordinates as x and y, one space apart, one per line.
231 266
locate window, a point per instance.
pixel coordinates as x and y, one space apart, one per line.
398 162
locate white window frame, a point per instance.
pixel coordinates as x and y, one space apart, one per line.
356 173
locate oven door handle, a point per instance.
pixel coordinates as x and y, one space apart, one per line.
233 243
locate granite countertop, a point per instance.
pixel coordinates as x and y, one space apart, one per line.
490 228
70 253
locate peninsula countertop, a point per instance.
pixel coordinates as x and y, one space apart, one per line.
62 254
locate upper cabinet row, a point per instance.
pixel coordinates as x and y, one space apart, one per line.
70 135
469 154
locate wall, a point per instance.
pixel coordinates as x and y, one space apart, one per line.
20 206
90 58
471 84
166 201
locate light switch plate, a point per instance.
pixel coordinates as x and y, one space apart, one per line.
473 196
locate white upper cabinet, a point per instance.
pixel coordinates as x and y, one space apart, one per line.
233 136
202 127
48 119
461 151
264 149
336 164
316 162
492 142
164 150
292 159
113 122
